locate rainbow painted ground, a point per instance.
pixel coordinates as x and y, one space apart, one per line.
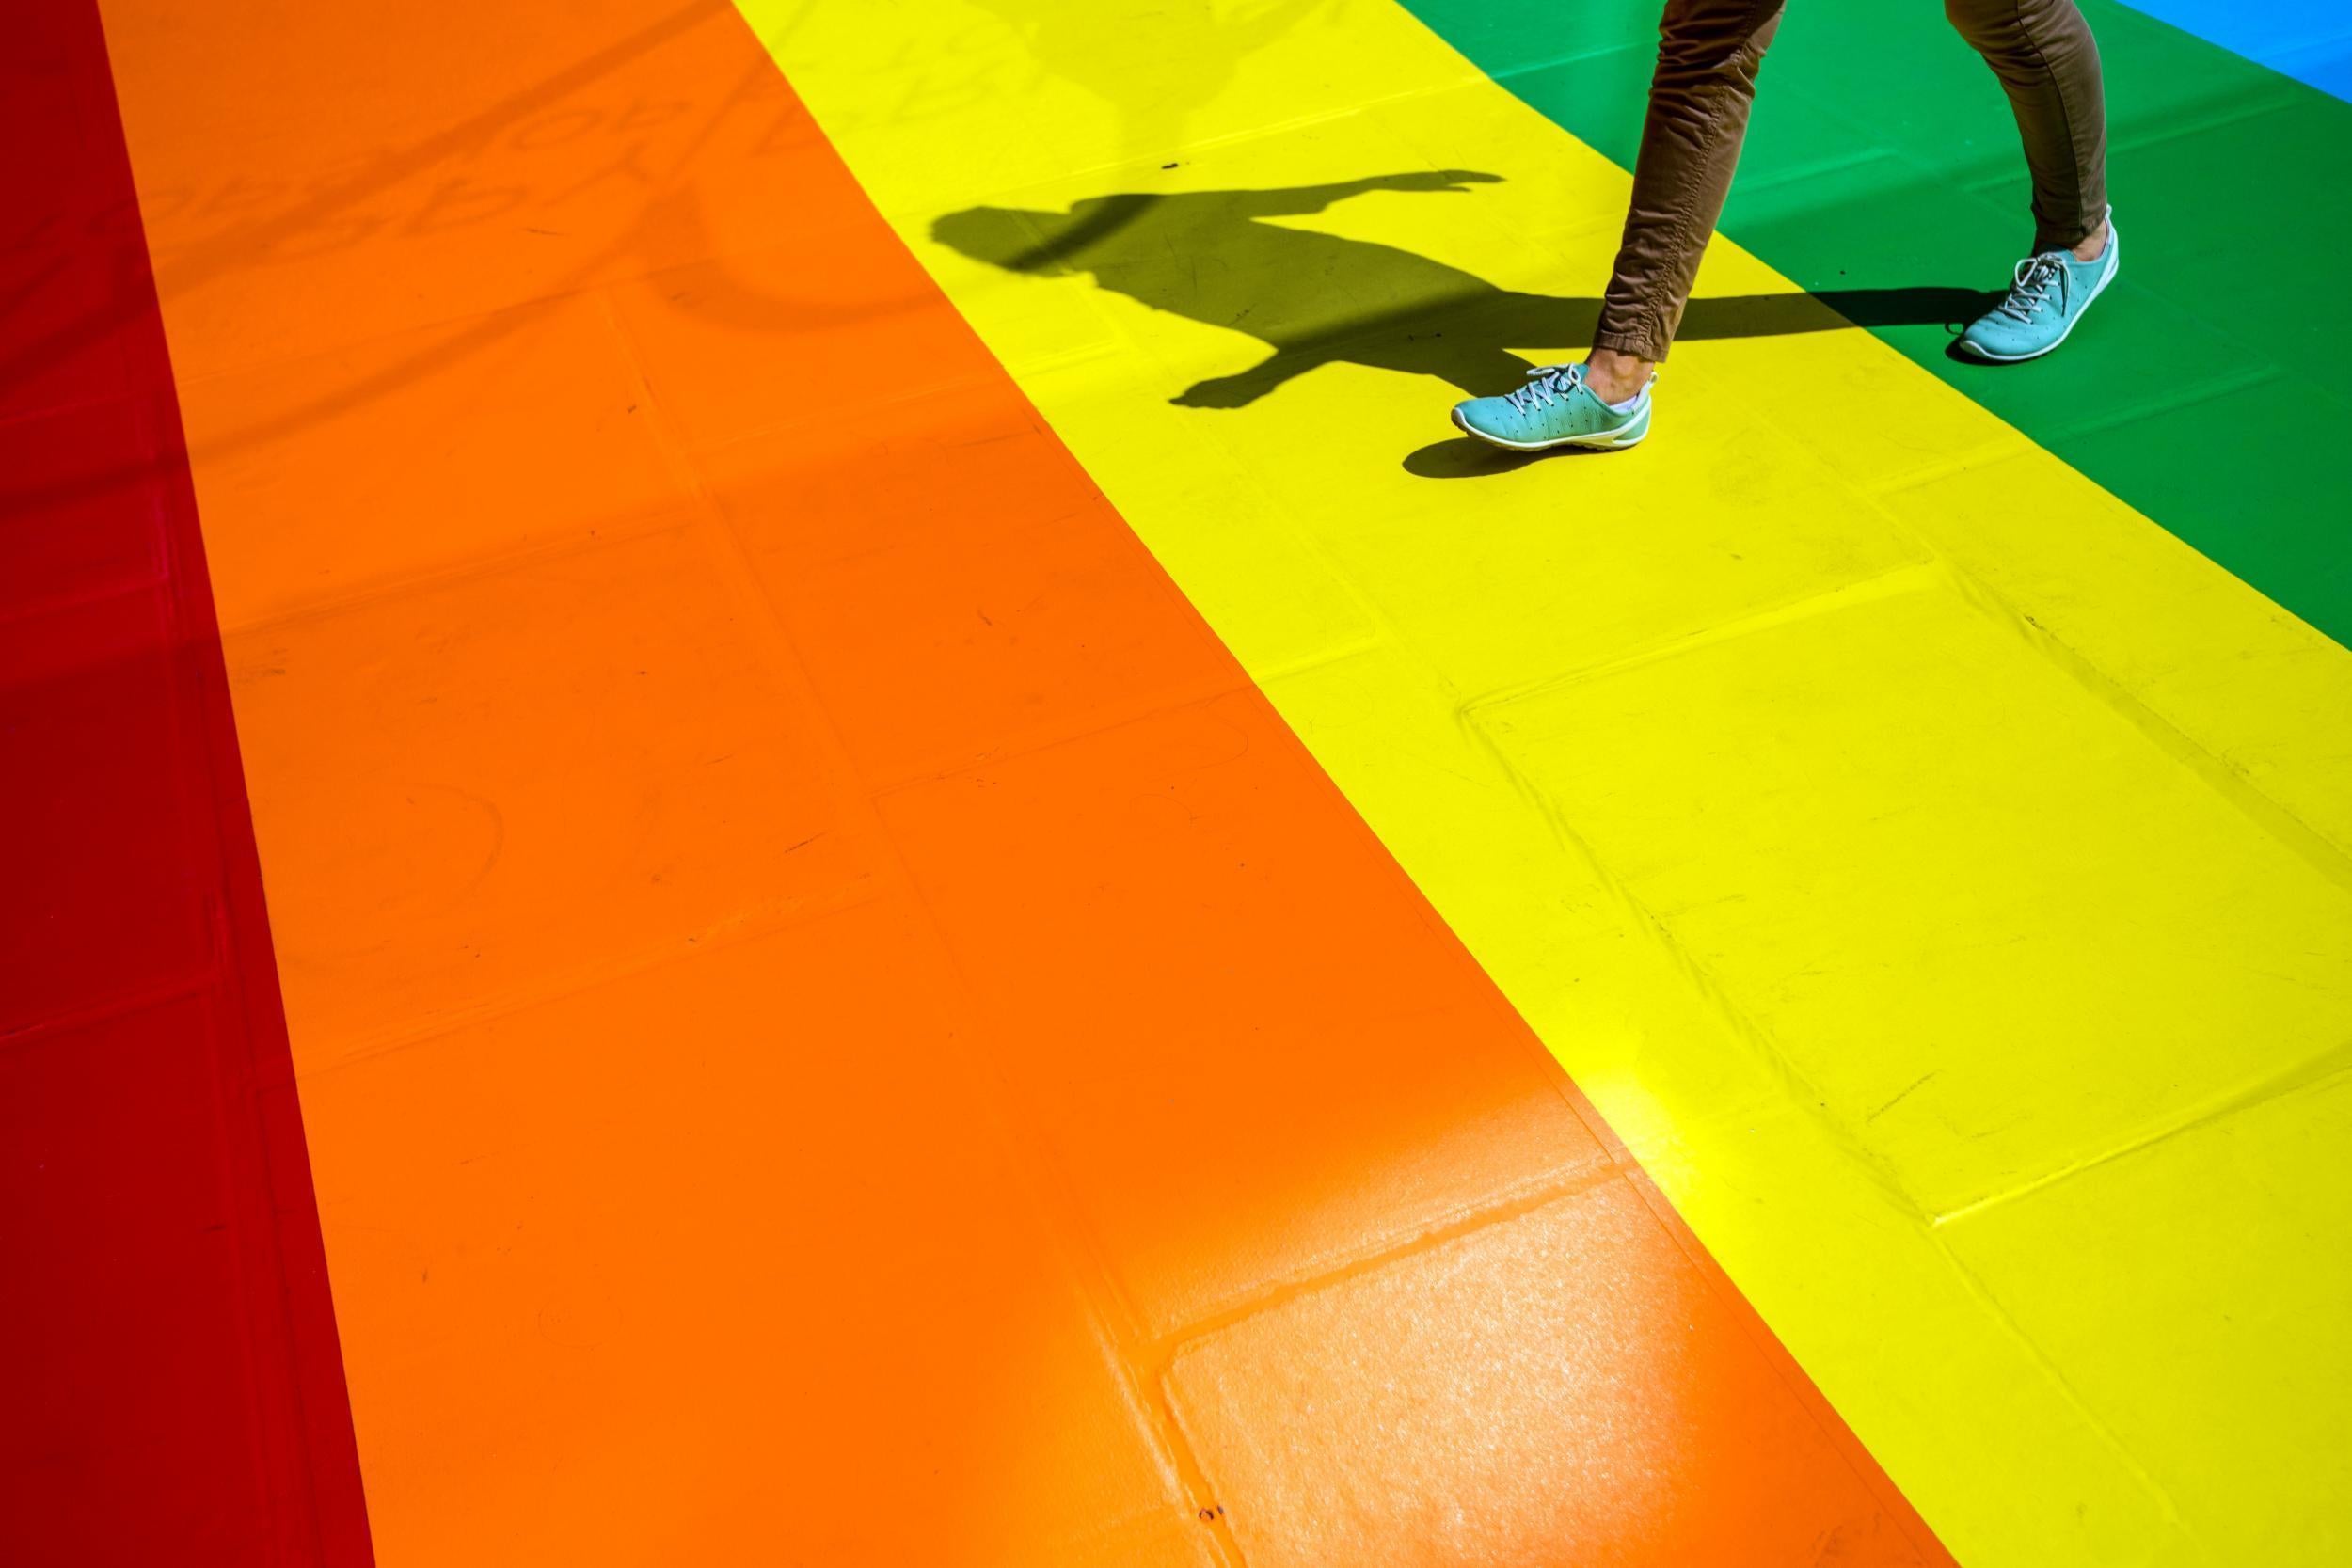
777 796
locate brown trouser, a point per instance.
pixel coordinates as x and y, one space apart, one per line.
1707 54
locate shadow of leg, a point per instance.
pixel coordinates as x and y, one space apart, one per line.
1247 387
1786 315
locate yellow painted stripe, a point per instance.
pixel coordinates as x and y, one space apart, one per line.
1935 871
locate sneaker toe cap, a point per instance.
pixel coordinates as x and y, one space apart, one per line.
1998 339
1487 417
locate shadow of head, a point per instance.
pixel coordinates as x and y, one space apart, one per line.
1044 243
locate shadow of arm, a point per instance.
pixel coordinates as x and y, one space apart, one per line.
1299 200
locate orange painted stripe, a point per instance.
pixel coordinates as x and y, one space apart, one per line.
833 1020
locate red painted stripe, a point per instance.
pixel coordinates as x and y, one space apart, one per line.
174 1388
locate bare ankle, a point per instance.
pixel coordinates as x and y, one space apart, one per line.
2093 245
1614 376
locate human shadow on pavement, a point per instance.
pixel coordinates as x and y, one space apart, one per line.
1317 299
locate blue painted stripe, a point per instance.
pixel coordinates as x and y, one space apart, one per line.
2308 40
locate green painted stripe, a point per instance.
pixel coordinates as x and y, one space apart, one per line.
2211 389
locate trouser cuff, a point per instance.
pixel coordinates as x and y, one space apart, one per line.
1640 345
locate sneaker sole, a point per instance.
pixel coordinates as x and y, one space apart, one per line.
2104 278
1615 440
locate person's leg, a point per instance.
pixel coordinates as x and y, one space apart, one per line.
2043 54
1708 54
2042 51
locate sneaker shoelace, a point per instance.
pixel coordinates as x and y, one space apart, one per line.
2038 280
1545 385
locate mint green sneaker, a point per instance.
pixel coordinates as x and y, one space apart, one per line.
1554 409
2049 295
